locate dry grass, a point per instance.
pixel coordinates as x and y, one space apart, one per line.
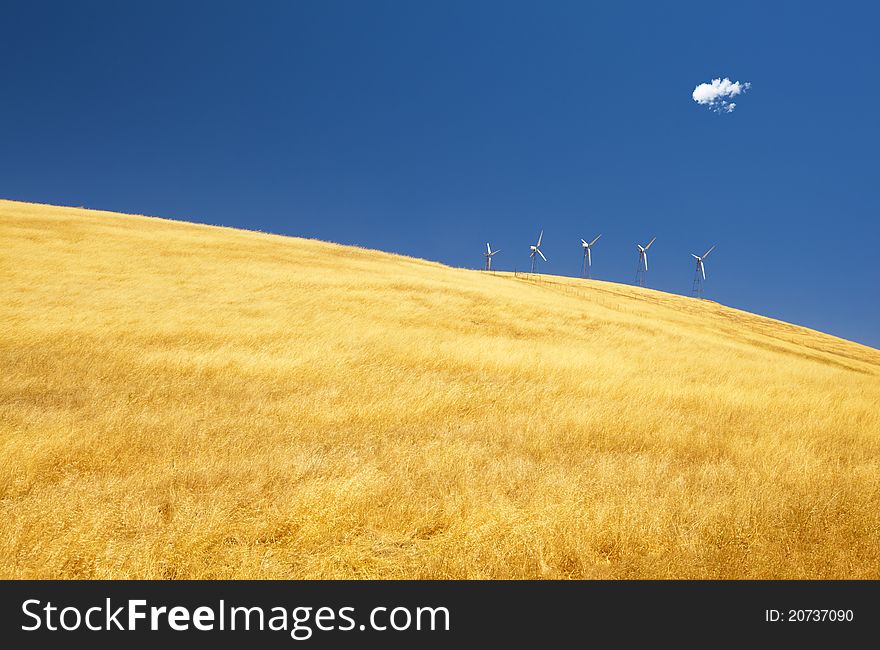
181 401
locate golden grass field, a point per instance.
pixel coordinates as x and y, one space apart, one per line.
186 401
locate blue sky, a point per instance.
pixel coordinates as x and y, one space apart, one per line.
427 128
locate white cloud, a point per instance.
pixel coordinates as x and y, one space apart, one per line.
717 94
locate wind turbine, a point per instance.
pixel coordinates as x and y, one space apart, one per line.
643 263
488 255
700 274
537 249
588 258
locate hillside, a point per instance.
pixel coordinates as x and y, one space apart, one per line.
186 401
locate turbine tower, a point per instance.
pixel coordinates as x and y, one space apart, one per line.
588 258
700 274
535 251
642 268
488 255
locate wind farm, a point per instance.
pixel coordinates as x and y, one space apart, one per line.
190 401
586 270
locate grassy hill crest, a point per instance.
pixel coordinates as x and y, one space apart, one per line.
189 401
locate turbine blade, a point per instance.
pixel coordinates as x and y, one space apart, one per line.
584 243
640 248
696 257
589 258
703 269
540 237
542 255
646 260
649 244
709 251
488 248
595 240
